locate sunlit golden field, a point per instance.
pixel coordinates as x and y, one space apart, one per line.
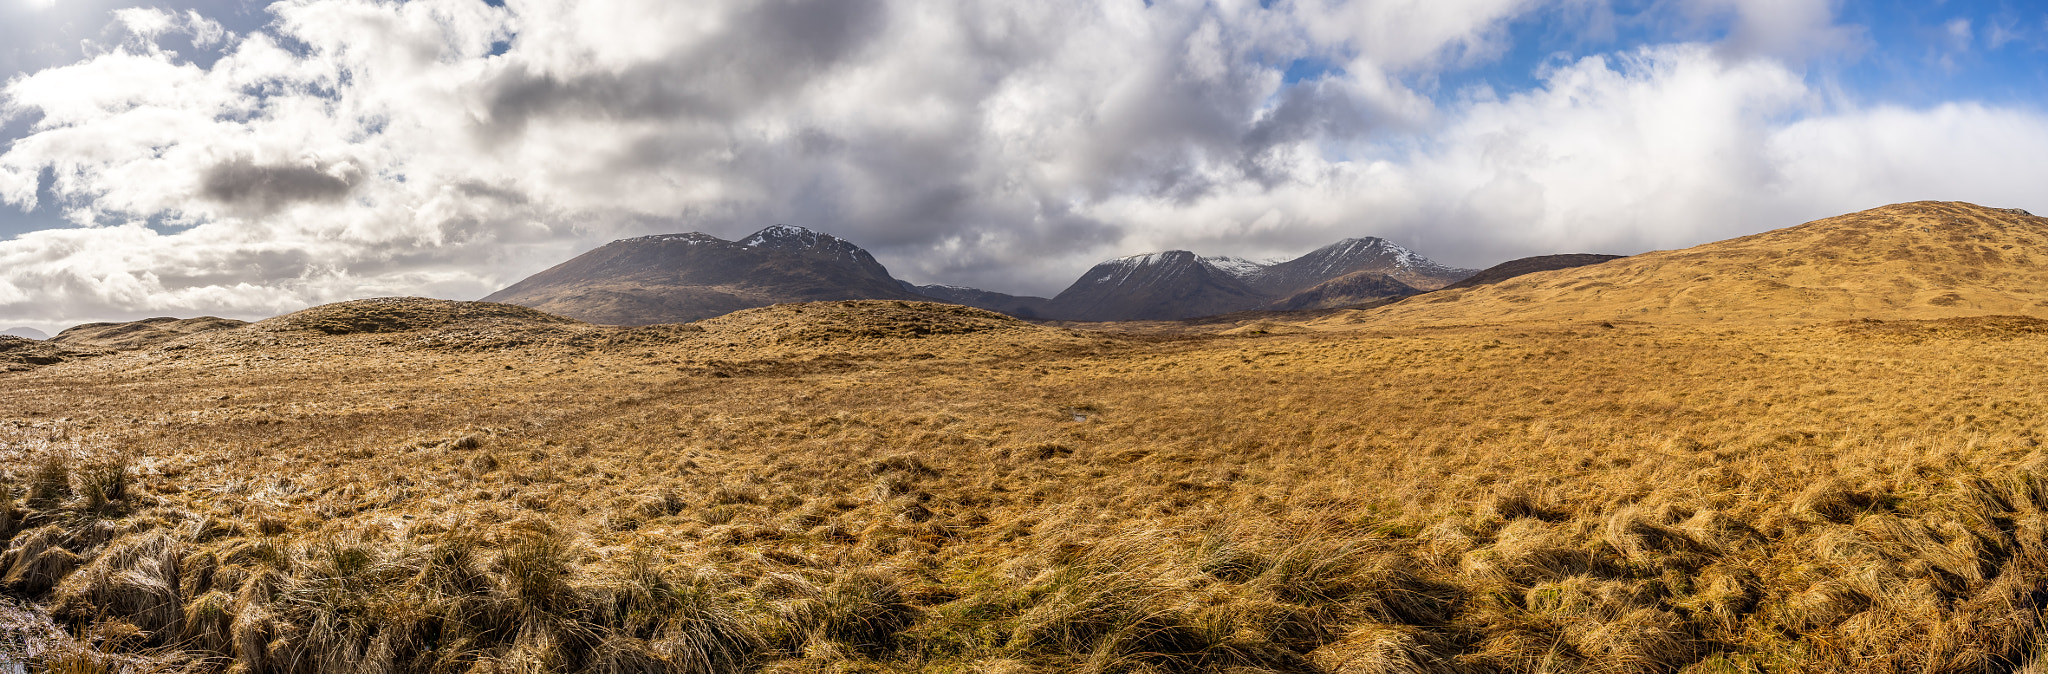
824 488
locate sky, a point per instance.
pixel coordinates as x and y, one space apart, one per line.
245 159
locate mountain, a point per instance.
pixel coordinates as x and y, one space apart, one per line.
1357 287
140 334
1920 260
677 278
1178 284
1171 285
1372 254
24 333
1529 265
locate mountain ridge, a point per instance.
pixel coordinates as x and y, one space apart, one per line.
678 278
667 278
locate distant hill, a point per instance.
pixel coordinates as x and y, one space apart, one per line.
403 314
142 334
1529 265
1353 288
678 278
1920 260
21 353
1021 306
24 333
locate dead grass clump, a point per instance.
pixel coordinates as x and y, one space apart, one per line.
136 580
1222 556
209 623
49 481
103 484
1722 597
1642 538
1831 501
10 518
1718 531
1078 606
534 573
684 622
1642 640
1825 604
862 611
904 465
1312 573
1528 552
1508 505
37 561
1383 649
1045 451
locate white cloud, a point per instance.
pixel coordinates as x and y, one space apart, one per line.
1793 30
446 147
1959 34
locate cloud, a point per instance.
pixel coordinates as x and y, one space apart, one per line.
240 182
1787 29
352 148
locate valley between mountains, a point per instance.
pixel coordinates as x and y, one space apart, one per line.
1814 449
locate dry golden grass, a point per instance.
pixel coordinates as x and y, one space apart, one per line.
1919 260
892 487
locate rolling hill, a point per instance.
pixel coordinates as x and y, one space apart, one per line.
1353 288
1919 260
143 333
1528 265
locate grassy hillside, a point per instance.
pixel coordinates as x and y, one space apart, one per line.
900 487
1918 260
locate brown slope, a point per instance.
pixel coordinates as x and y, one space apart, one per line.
405 314
1529 265
1917 260
1349 289
22 353
142 334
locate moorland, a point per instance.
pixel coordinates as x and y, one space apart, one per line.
1844 475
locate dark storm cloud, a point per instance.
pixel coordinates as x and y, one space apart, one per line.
477 189
243 184
766 50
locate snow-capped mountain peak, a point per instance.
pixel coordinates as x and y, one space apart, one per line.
788 236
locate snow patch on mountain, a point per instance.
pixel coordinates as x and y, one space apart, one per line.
1236 267
788 236
692 238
